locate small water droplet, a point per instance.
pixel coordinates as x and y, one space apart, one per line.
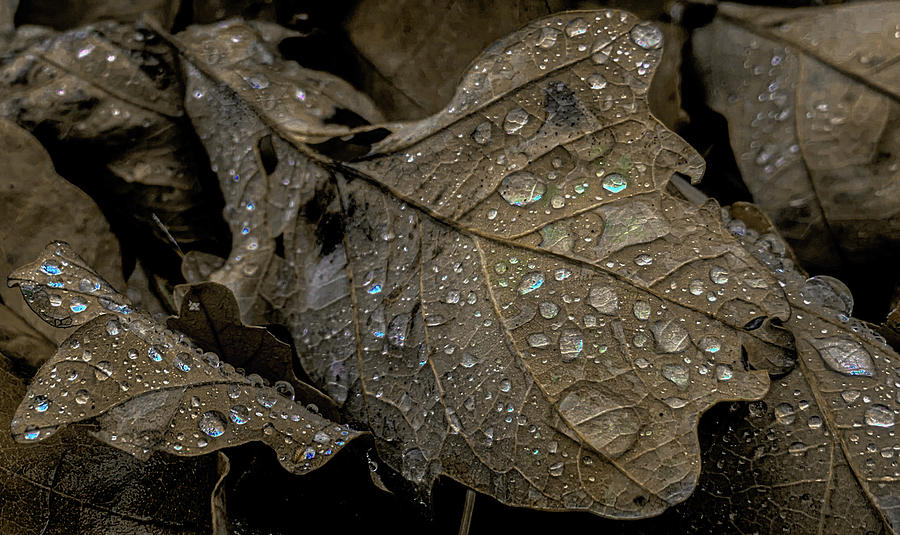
596 81
538 340
82 397
643 260
785 413
814 422
548 310
677 373
154 354
556 469
468 360
50 268
112 327
482 133
724 372
182 361
103 370
641 310
718 275
576 27
570 345
41 403
696 287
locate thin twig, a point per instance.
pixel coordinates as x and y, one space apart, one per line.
466 521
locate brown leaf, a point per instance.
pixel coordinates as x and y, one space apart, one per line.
210 317
20 341
151 389
810 96
513 325
42 206
106 99
67 14
71 483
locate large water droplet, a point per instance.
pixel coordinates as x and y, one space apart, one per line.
677 373
515 120
538 340
710 344
844 355
398 330
556 469
827 292
614 182
112 327
696 287
576 27
41 403
154 354
212 423
531 282
548 310
604 300
879 416
267 397
182 361
570 344
521 188
482 133
239 414
641 310
82 397
547 38
785 413
505 385
670 335
468 360
646 35
718 275
50 268
596 81
724 372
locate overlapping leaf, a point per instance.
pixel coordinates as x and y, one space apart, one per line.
150 388
810 96
509 297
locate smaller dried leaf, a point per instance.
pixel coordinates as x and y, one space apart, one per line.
152 389
210 317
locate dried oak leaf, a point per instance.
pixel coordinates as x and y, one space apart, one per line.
150 388
210 317
509 297
71 483
30 190
811 99
107 100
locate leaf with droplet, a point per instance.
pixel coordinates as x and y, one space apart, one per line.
836 410
210 317
420 297
71 483
808 95
151 389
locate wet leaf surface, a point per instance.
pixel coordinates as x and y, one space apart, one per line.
810 96
151 389
73 483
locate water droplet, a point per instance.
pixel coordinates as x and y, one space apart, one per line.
646 35
570 344
87 285
538 340
576 27
530 282
103 370
604 300
267 397
556 469
850 395
182 361
77 305
212 423
828 292
724 372
670 335
82 397
879 416
643 260
718 275
548 310
785 413
50 268
41 403
515 120
814 422
844 355
614 182
677 373
468 360
31 432
398 329
521 188
797 449
505 385
321 438
258 81
285 389
710 344
597 81
239 414
482 133
84 52
112 327
641 310
154 354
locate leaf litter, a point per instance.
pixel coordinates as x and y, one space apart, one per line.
507 292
